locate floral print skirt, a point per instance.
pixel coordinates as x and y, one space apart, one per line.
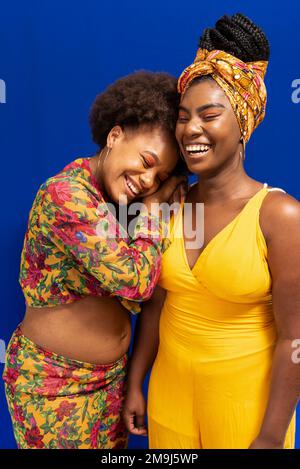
57 402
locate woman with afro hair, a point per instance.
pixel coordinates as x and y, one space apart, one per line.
226 373
82 272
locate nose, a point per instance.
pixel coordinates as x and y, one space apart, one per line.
146 180
193 127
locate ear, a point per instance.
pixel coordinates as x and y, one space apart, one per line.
116 134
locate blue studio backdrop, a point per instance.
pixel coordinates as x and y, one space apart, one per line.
56 55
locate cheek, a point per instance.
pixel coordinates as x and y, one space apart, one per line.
114 168
112 179
178 132
226 131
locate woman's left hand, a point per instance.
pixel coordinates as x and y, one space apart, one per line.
134 411
179 194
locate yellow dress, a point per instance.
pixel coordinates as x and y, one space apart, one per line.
210 381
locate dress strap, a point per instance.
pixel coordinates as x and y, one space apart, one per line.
276 189
271 189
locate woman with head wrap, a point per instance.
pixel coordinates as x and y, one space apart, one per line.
225 375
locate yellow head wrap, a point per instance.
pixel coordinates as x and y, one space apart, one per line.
241 81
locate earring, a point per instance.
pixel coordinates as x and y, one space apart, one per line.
100 156
243 155
107 153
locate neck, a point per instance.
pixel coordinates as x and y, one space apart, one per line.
228 183
96 164
96 167
99 169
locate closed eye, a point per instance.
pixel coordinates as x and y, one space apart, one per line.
145 163
211 116
182 119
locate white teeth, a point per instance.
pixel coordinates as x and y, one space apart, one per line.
197 148
132 187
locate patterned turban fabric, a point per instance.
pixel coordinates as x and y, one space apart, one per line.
243 83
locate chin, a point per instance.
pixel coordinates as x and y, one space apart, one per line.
203 170
118 198
198 167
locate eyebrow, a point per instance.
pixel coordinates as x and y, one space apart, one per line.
203 108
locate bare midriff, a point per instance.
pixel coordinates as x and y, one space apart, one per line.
92 330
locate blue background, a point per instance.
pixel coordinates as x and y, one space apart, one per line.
56 55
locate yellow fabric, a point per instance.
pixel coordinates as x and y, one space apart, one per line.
241 81
210 382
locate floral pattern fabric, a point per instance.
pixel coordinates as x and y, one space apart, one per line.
61 403
69 250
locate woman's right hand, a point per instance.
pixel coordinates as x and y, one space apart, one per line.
168 192
134 412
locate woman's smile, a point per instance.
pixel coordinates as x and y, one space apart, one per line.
132 189
197 151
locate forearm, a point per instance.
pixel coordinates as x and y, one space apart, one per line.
146 341
284 392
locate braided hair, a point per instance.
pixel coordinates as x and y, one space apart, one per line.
238 36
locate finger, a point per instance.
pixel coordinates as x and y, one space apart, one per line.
139 432
176 195
137 426
140 420
175 180
171 186
181 179
129 421
183 190
132 427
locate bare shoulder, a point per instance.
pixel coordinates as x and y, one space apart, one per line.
279 212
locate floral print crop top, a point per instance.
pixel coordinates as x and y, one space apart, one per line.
64 258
